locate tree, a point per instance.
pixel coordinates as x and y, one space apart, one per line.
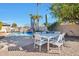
66 12
14 25
46 21
34 21
1 25
31 21
53 26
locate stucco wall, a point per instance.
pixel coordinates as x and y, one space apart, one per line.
72 29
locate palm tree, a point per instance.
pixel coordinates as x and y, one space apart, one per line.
46 20
37 15
34 21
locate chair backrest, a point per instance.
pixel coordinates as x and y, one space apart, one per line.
61 36
37 37
57 32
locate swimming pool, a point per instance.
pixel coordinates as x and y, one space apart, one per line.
21 34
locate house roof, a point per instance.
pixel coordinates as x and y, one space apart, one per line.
5 24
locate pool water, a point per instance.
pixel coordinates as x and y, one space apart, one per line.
21 34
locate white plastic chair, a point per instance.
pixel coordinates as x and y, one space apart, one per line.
38 40
58 41
57 32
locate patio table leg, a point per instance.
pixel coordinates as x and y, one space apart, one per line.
48 46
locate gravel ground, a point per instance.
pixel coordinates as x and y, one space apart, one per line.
71 48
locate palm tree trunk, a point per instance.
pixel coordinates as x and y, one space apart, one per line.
46 20
32 24
37 19
38 24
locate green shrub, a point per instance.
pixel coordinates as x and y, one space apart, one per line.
53 26
0 25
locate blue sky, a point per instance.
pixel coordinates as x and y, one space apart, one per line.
19 12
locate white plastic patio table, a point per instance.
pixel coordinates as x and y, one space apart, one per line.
48 37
